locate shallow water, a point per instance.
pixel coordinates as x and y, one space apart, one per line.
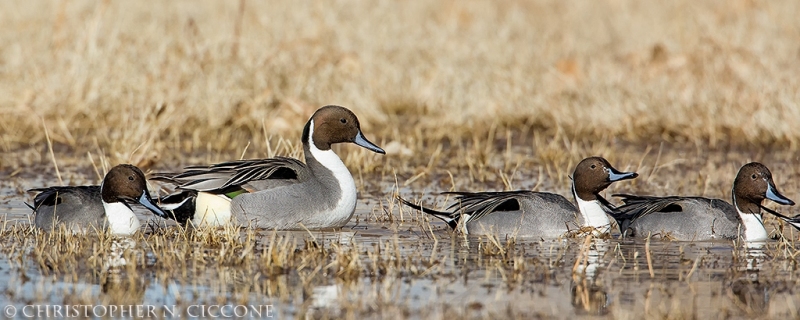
401 268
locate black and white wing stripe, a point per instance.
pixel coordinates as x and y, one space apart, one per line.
795 221
475 205
229 174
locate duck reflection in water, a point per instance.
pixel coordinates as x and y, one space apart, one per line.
588 295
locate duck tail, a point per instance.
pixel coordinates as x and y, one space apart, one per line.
623 221
624 225
447 217
794 222
622 218
181 205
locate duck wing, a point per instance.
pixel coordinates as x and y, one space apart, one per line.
480 204
49 196
636 207
251 175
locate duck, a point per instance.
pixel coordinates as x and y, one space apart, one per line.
527 213
103 207
697 218
278 193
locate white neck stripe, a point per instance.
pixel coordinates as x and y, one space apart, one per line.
121 219
593 213
752 223
346 204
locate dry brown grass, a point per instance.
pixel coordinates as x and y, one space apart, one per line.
475 95
150 83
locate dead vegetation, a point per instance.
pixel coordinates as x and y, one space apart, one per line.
478 95
349 275
150 87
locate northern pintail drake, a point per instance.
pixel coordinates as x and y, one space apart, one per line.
536 214
697 218
86 208
277 193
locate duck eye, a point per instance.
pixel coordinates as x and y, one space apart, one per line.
130 178
343 120
594 166
754 176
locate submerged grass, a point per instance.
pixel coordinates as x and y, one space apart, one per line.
346 276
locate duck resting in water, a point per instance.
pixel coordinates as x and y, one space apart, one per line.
536 214
698 218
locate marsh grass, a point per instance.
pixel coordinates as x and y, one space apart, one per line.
478 95
291 268
149 87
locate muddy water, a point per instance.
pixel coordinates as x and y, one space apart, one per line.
415 269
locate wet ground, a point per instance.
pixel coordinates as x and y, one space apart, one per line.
381 266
